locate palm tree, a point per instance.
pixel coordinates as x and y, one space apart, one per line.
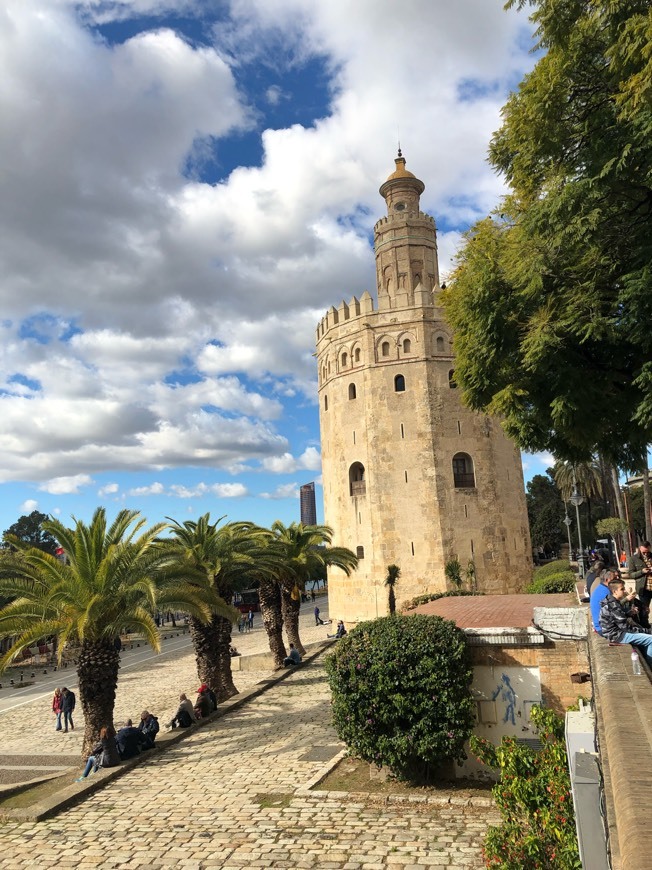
301 550
587 476
227 557
114 578
393 573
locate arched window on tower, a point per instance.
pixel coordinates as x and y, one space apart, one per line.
325 403
451 380
359 551
399 384
357 482
384 349
357 355
463 473
352 393
407 345
345 360
439 344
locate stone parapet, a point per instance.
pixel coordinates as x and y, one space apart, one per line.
623 704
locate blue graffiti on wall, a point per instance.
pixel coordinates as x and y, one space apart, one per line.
508 695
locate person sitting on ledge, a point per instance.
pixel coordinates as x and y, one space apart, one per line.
233 652
294 658
185 715
148 728
616 623
130 741
105 754
340 632
204 704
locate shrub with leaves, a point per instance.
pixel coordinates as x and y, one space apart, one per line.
400 689
534 799
563 581
554 567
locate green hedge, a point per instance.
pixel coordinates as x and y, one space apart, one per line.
563 581
551 568
401 693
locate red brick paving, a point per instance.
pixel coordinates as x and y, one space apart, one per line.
493 611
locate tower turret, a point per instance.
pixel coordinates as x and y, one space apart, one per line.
405 243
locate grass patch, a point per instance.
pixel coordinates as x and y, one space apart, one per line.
352 774
273 801
36 793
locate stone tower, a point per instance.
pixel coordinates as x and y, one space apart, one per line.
411 476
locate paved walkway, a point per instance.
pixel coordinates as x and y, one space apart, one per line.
224 798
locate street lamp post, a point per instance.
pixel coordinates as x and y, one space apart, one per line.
568 523
577 499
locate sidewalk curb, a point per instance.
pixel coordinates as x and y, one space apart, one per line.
309 790
76 792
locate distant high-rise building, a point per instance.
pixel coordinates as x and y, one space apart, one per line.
308 506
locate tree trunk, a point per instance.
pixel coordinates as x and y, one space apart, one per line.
97 671
212 644
621 508
391 601
646 501
269 594
290 610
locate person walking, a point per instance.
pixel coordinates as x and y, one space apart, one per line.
250 619
56 707
318 619
67 707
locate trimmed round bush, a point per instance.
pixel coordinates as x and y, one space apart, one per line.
564 581
401 693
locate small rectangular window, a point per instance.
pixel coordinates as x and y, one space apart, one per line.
472 550
406 476
412 544
402 431
459 428
466 511
354 436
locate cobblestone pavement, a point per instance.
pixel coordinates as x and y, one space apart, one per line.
154 685
224 798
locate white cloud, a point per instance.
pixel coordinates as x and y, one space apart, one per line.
309 460
109 489
66 485
286 490
153 489
28 506
181 314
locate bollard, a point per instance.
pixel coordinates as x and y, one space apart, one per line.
11 682
21 676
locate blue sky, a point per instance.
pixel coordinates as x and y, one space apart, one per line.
187 186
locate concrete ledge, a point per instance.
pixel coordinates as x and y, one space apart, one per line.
623 705
75 793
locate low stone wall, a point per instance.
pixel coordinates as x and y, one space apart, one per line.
623 705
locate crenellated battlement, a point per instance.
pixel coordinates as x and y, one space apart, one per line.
345 311
401 218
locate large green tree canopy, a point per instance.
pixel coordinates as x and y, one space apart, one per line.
550 300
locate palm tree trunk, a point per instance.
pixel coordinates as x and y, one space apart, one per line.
646 501
97 670
212 642
620 506
269 594
290 610
391 601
